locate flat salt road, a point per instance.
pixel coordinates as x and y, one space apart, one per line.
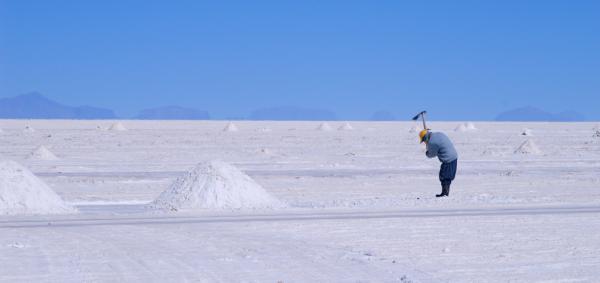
382 246
81 220
361 204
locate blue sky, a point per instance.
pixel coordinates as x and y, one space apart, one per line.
457 59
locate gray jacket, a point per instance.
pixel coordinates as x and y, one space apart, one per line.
438 144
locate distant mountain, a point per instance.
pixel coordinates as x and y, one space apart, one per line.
383 116
172 113
36 106
530 113
291 113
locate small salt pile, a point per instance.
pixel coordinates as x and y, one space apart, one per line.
324 127
42 153
22 193
231 127
465 127
528 147
346 127
215 185
470 126
461 128
118 126
527 132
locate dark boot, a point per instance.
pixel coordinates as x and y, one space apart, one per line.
445 190
443 194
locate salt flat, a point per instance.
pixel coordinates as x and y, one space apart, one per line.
360 203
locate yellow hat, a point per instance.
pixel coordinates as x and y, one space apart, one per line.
422 135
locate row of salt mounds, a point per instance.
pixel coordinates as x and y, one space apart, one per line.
215 185
231 127
28 129
21 192
42 153
118 126
414 129
346 127
465 127
528 147
324 127
596 134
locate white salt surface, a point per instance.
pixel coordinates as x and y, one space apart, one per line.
361 205
264 130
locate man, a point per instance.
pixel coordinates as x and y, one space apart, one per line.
438 144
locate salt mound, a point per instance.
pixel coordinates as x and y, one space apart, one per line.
21 192
461 128
215 185
414 129
470 126
42 153
28 129
118 126
464 127
528 147
346 127
231 127
597 134
527 132
324 127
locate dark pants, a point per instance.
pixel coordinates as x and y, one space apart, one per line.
447 174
